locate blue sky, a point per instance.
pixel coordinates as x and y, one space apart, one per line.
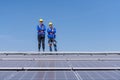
82 25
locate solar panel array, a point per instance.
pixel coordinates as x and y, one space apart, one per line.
59 66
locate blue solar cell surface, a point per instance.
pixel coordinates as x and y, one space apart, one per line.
46 75
60 75
60 61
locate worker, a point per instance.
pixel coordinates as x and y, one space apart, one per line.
41 28
51 37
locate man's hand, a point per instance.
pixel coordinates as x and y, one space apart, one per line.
41 31
51 33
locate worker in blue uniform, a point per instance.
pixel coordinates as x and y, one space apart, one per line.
51 37
41 28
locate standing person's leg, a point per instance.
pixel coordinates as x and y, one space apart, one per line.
43 43
55 45
50 44
39 42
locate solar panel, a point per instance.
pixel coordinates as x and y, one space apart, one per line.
59 66
35 75
100 75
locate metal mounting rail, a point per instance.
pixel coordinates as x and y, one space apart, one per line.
59 53
59 68
59 59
